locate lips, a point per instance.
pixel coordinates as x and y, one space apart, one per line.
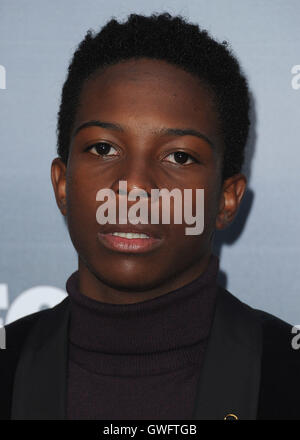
129 242
140 228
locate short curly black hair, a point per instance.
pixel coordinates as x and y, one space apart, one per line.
175 40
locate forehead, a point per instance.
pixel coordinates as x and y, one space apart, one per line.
148 93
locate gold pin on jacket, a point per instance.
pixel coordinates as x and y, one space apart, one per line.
231 416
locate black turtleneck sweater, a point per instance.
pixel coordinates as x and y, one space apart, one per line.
139 361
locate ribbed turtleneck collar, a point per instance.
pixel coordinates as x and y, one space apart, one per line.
178 319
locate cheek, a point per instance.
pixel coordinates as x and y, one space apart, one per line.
81 207
212 194
211 208
185 238
205 206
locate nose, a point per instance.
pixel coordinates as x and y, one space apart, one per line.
138 191
138 178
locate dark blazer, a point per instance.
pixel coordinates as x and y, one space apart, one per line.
250 368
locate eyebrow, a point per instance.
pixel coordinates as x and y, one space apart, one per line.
160 131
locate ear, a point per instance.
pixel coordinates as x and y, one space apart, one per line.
232 194
58 178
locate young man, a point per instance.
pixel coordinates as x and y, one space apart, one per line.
146 332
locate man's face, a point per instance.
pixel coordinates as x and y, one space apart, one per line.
142 97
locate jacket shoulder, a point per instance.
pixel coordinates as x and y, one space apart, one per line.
280 386
17 330
280 364
275 331
278 338
16 334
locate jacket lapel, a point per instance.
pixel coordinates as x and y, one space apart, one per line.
230 378
39 391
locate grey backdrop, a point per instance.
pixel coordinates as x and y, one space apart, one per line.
259 254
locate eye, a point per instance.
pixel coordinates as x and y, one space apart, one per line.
181 157
101 149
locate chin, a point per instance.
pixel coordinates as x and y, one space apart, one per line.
128 280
